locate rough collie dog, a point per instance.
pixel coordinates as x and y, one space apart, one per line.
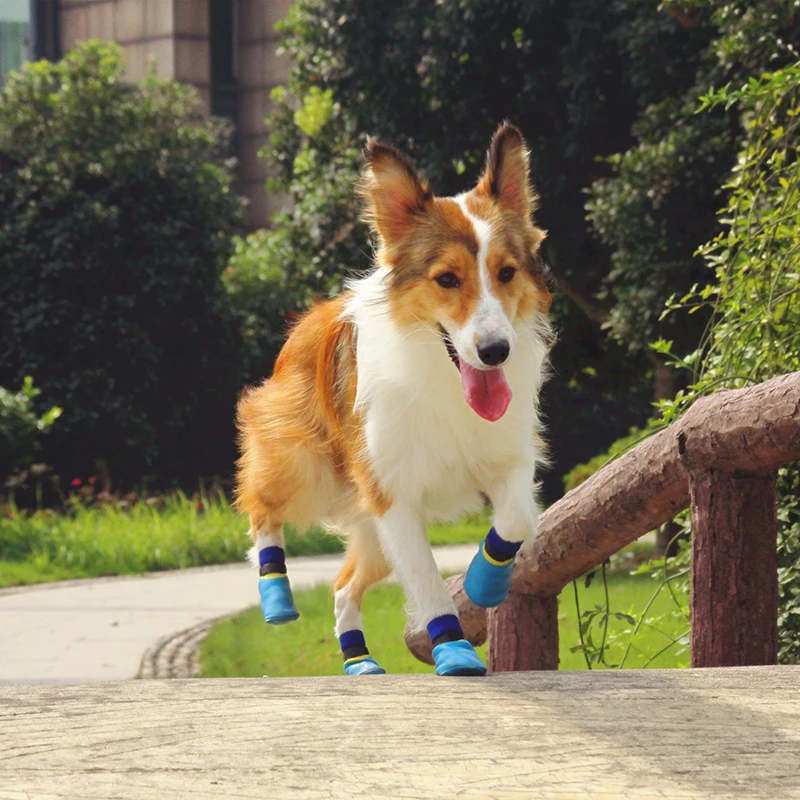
409 398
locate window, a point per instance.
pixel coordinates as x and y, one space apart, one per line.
224 89
28 30
16 35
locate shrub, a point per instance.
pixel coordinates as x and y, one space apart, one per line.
20 426
582 472
754 299
266 297
116 222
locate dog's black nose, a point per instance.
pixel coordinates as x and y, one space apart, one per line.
493 352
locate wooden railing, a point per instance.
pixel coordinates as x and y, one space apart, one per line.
720 460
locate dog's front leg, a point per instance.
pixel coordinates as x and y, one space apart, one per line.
488 578
405 544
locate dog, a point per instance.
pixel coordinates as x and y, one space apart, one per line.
410 397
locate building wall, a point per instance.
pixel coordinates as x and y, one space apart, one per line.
176 34
143 28
260 70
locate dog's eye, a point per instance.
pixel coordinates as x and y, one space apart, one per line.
506 274
448 280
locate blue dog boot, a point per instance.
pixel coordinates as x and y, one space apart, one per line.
277 603
452 653
488 578
488 581
363 665
357 660
457 658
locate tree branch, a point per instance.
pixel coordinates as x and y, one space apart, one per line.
594 311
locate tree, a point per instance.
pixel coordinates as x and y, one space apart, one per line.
659 205
752 293
116 222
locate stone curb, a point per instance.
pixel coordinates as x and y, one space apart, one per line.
176 655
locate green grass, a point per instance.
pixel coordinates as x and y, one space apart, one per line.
468 530
175 533
25 573
244 646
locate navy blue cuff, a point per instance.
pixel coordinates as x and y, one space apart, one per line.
352 639
446 624
269 555
500 545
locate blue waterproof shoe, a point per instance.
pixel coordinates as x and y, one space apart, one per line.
277 603
363 665
457 658
488 581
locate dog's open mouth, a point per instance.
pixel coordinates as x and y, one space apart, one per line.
486 390
451 351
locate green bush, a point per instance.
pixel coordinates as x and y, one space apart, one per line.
659 203
265 296
581 472
21 427
754 298
116 222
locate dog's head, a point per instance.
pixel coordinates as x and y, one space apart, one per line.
467 266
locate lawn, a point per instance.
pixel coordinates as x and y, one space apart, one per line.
244 646
172 533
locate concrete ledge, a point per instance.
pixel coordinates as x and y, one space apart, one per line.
731 733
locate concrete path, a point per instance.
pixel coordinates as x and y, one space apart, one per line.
98 630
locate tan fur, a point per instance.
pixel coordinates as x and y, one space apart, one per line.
299 433
364 566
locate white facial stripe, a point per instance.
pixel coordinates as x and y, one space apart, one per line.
484 234
489 319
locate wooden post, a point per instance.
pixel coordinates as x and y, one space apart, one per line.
734 603
523 634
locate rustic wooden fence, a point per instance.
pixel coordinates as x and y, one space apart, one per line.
720 460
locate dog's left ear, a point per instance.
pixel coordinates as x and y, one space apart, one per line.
506 178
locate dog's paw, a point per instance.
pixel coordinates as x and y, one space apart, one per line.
277 603
457 658
363 665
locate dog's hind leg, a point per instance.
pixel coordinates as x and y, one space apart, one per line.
364 566
404 540
277 603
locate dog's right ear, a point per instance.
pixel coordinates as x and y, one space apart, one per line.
393 193
506 178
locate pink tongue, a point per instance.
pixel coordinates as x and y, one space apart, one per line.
486 391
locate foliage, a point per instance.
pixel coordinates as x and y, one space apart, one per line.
664 611
21 427
659 205
116 216
754 301
581 472
264 298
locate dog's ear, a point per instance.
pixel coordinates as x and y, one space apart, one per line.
506 178
393 193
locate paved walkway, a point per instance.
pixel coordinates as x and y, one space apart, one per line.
97 630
